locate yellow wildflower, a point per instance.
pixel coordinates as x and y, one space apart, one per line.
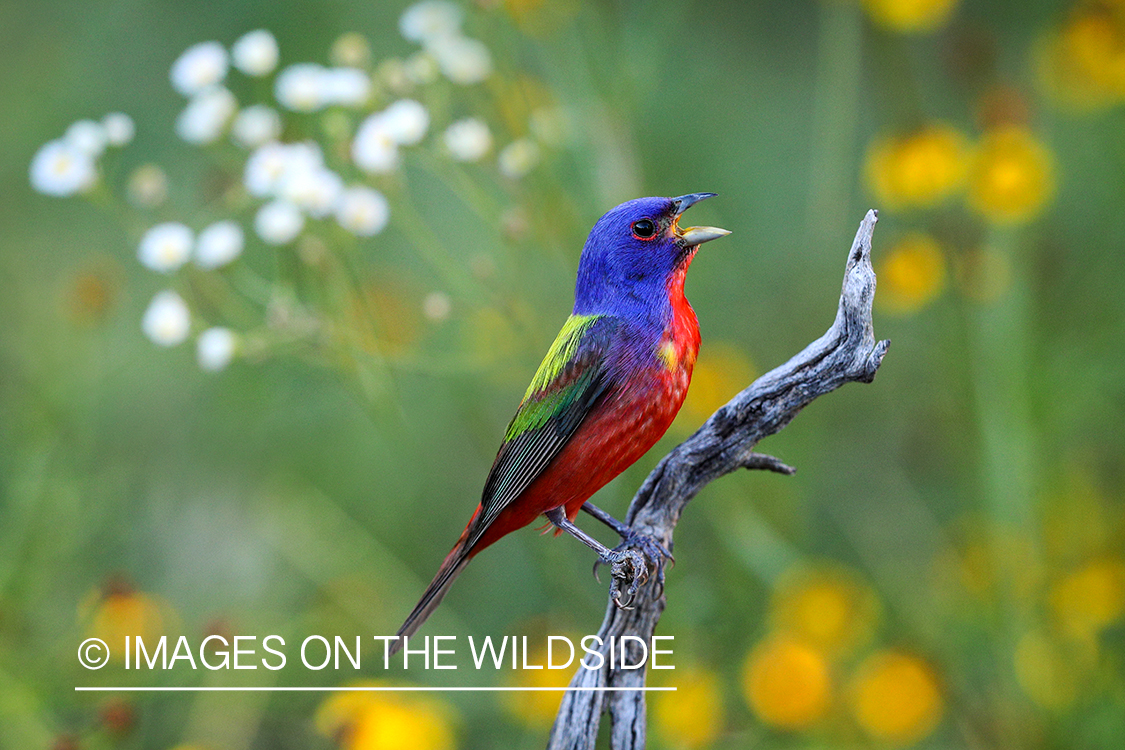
827 607
895 697
367 720
693 715
912 275
786 682
537 709
919 169
1011 177
910 15
1092 597
1046 671
1084 64
123 611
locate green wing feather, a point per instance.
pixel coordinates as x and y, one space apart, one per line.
569 381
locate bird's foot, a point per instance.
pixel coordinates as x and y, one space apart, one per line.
630 564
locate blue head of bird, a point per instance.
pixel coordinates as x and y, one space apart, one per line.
634 251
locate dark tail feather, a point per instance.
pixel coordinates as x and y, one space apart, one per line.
454 563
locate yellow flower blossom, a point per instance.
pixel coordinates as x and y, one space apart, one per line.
123 611
919 169
895 697
1011 177
1079 519
786 682
910 15
1049 673
912 275
827 607
366 720
537 709
1092 597
1084 64
693 715
721 371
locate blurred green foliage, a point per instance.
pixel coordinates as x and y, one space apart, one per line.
946 569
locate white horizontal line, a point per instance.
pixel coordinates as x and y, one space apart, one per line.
374 689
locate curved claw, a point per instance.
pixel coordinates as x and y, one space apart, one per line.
630 562
628 566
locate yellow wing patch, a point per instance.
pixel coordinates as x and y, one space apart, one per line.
668 353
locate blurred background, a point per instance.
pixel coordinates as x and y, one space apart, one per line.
252 389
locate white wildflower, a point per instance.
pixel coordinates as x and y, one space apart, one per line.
167 320
430 19
165 247
303 158
406 122
206 115
60 169
218 245
87 136
314 190
363 211
374 150
436 306
265 168
464 61
468 139
279 222
348 87
518 158
301 87
255 53
256 125
200 66
119 128
215 347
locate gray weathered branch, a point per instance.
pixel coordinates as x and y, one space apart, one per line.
846 352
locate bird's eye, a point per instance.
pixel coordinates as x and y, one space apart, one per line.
644 229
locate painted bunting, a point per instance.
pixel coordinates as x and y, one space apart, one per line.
609 387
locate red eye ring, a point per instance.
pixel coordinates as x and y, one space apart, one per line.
644 229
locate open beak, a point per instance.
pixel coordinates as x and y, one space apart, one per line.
694 235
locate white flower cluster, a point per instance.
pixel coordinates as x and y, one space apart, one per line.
296 181
376 144
167 322
69 165
165 248
199 74
436 25
308 87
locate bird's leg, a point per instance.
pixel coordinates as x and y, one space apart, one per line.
632 538
628 564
